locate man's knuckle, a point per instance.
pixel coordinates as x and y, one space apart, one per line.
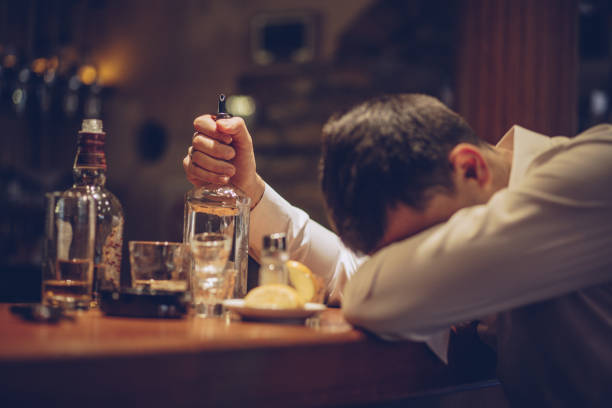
199 143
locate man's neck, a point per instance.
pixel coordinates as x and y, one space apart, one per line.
500 160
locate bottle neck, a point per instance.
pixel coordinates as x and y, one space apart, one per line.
88 176
90 161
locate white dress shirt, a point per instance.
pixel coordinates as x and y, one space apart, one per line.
307 241
545 235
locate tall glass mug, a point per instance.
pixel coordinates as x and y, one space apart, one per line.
67 273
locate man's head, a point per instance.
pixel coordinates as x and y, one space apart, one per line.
397 164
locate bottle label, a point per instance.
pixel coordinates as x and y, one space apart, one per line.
111 255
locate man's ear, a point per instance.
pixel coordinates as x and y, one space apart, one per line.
469 164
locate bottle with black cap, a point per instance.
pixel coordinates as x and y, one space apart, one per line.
274 256
222 209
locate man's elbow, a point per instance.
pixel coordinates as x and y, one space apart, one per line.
371 315
384 318
356 312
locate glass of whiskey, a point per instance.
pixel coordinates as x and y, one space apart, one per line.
67 272
157 266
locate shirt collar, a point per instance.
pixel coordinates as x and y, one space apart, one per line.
525 145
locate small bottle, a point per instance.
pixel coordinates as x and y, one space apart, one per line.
274 256
89 173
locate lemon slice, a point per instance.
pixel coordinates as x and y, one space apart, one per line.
273 296
303 280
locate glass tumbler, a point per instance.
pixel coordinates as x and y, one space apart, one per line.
159 266
67 273
212 281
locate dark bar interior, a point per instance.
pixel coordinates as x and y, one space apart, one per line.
148 68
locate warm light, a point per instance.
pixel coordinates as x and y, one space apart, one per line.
110 72
10 61
87 74
116 65
39 65
241 105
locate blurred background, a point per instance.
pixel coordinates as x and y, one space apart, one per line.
148 68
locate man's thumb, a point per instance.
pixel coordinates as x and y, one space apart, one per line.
236 128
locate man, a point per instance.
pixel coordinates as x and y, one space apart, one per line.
456 230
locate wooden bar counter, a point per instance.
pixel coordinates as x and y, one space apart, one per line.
97 360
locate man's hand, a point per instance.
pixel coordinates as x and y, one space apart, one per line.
222 152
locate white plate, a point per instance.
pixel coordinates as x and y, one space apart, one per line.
254 313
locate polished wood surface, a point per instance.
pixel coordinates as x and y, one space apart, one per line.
94 334
96 360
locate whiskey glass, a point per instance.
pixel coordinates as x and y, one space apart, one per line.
159 266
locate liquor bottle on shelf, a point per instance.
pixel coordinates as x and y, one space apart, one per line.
89 173
221 209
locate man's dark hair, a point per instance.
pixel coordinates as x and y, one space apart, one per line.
385 151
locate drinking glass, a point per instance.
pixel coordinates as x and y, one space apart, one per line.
212 278
67 273
159 266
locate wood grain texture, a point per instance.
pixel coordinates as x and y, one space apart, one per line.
517 63
102 361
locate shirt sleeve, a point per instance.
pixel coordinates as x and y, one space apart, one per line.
307 241
317 247
547 236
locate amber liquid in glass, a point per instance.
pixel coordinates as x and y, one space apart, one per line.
161 285
73 283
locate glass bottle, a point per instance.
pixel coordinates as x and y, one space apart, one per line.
221 209
274 257
89 173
